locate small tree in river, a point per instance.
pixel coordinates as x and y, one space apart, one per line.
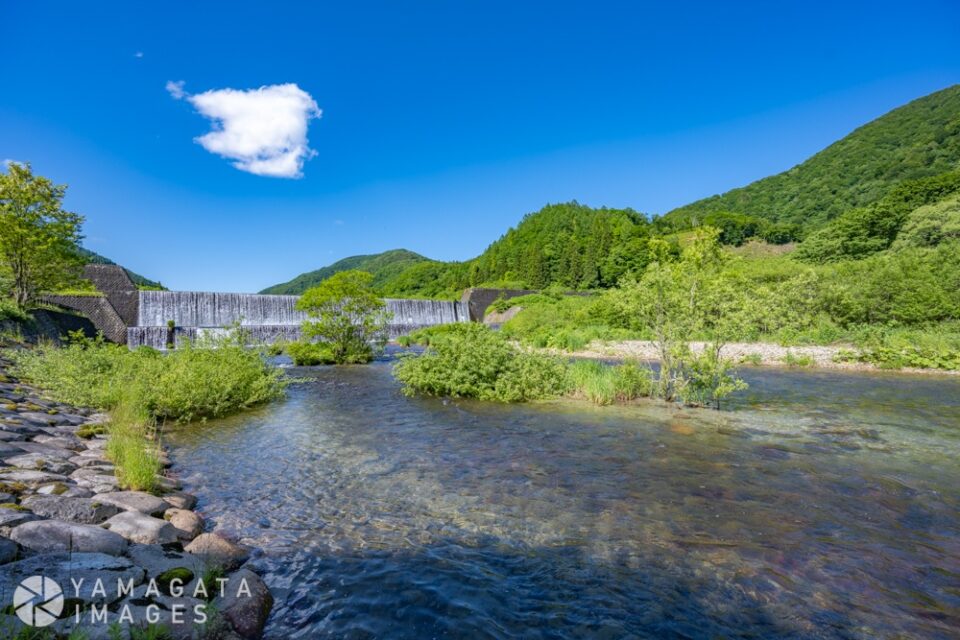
38 239
347 316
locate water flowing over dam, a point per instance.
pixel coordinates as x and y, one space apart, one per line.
266 318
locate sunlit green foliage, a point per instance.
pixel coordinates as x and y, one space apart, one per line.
38 239
143 387
931 225
472 361
559 321
207 380
862 232
347 316
308 354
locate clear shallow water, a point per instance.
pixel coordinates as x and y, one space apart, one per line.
826 506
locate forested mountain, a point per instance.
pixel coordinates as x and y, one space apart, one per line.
383 266
919 139
850 201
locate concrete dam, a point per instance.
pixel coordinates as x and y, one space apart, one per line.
127 315
266 318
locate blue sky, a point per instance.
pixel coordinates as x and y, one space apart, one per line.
442 122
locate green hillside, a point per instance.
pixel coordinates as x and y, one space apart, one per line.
568 245
849 201
919 139
139 280
383 266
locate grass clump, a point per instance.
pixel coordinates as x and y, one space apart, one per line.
133 447
471 361
795 360
605 384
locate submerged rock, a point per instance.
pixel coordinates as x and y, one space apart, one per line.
187 523
180 500
218 551
246 608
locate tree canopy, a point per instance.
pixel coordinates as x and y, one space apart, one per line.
38 238
347 316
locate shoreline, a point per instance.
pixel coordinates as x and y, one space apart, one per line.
766 354
63 514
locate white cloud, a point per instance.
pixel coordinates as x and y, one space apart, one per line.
264 131
175 89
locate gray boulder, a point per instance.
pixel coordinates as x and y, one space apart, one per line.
9 550
29 477
141 528
135 501
246 604
187 523
88 567
79 510
47 536
40 462
218 551
180 500
14 517
158 559
63 489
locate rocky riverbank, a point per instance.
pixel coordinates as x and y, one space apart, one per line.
123 558
747 353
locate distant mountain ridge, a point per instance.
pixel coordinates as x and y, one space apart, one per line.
575 246
382 266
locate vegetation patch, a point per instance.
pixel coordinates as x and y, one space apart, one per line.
471 361
144 388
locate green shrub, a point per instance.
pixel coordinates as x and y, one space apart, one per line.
207 380
426 335
307 354
143 387
471 361
706 378
936 347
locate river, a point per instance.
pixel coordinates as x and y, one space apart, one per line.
819 505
